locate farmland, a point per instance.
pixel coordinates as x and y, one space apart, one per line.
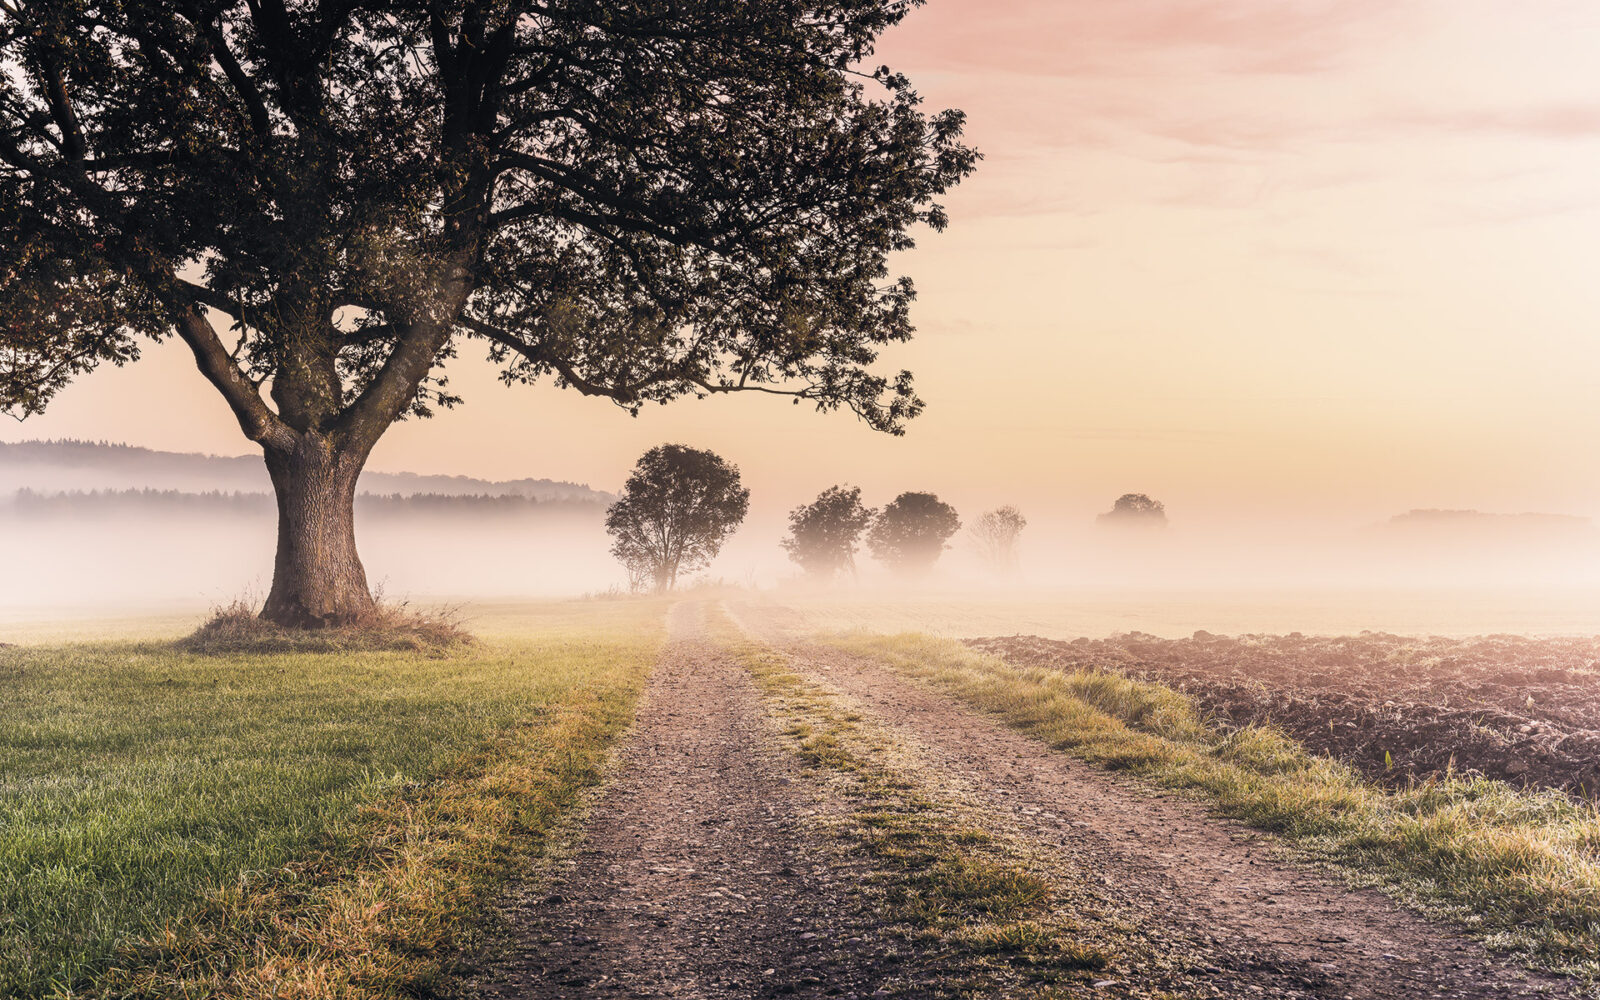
1522 710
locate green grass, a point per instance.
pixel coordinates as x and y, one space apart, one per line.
1519 869
942 876
174 824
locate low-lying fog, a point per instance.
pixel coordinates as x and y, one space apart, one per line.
75 554
89 529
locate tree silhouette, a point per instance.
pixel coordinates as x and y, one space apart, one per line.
996 533
675 511
911 532
1135 510
823 534
329 199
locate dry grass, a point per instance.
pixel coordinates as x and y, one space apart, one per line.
943 877
1519 869
238 628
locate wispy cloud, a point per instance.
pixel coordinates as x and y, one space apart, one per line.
1540 121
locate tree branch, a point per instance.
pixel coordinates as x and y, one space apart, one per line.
212 299
246 88
256 419
73 146
628 392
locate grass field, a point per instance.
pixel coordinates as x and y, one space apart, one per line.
1520 869
308 824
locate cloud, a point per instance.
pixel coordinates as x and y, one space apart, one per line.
1539 121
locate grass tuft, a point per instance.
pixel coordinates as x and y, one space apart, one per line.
239 628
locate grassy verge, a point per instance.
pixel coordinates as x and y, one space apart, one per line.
996 920
294 824
1519 869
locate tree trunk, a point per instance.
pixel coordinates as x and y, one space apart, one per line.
317 578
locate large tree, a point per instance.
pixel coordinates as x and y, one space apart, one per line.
824 533
326 199
677 508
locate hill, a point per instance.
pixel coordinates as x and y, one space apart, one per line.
52 466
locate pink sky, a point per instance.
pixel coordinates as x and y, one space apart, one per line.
1332 257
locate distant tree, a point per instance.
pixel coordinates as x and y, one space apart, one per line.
996 534
823 534
912 530
326 201
641 575
674 513
1135 510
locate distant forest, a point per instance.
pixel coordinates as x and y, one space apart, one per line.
70 464
33 504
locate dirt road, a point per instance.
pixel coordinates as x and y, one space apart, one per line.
698 876
703 874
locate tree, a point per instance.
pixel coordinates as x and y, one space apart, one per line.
675 511
1135 510
328 199
996 533
912 530
823 534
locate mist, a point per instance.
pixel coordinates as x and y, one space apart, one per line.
107 531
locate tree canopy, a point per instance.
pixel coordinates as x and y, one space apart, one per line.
823 534
639 199
911 531
1137 510
326 200
674 513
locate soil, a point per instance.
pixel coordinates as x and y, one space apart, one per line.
703 873
1522 710
700 876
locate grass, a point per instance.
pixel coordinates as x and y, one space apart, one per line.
1519 869
289 824
950 882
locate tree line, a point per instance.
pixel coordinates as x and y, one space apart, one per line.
680 504
31 503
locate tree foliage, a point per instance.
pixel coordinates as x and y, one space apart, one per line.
639 199
1135 510
996 533
823 534
911 531
675 511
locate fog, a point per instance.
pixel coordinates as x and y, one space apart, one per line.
73 553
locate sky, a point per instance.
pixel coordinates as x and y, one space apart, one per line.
1262 259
